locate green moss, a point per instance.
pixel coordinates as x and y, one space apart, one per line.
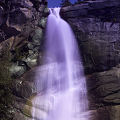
5 58
81 1
46 10
5 85
5 103
37 38
42 22
65 3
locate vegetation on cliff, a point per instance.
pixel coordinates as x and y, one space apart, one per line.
65 3
5 86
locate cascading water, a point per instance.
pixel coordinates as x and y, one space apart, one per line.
60 81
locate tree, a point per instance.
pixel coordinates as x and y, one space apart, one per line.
65 3
83 1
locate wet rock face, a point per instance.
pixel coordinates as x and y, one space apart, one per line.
97 32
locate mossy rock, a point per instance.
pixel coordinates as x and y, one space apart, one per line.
42 22
28 106
46 10
37 38
6 102
17 70
5 76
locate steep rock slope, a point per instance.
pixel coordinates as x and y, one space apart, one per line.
97 28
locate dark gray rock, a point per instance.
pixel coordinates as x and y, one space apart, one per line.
105 86
22 89
97 28
94 9
106 113
19 17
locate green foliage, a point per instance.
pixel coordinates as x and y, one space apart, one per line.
82 1
5 58
5 103
65 3
5 85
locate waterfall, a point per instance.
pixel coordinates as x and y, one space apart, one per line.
60 82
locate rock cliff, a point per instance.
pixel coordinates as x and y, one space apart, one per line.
96 25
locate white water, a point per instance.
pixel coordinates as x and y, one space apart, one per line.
60 82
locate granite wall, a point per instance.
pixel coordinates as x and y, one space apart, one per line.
96 25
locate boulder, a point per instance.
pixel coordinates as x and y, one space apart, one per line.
109 113
42 22
105 87
17 70
32 59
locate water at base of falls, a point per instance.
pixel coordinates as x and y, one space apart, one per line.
60 82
